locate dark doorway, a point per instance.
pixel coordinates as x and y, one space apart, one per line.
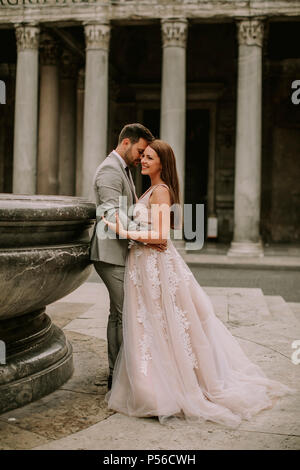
196 161
7 111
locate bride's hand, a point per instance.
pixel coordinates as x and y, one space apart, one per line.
117 226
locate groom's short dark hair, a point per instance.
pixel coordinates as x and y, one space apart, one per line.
134 132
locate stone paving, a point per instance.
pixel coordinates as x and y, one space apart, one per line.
76 417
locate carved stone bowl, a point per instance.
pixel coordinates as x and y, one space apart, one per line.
44 255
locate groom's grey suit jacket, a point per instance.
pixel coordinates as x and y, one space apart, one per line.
111 182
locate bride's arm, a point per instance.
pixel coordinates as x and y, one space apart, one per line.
160 216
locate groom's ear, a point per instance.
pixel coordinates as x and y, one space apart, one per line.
125 141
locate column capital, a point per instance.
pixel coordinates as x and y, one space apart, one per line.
97 35
250 31
27 35
174 32
49 50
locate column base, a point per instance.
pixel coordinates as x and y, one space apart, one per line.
246 249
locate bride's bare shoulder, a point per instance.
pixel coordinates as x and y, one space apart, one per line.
161 195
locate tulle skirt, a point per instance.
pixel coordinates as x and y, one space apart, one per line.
178 361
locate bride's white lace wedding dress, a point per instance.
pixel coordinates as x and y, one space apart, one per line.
177 358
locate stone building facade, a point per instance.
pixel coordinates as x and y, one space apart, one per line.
213 78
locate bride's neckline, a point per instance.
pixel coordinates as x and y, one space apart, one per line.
149 190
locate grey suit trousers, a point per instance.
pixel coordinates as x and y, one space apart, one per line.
113 277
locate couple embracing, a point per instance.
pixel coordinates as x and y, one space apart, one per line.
169 355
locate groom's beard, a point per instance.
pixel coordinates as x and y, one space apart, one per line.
127 156
128 160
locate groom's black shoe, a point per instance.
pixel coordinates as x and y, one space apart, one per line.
109 382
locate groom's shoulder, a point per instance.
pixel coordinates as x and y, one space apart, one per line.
108 168
108 163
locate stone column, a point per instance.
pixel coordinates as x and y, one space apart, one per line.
47 182
79 130
67 125
26 110
97 37
246 241
173 93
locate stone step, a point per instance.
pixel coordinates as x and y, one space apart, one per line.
239 306
295 307
279 308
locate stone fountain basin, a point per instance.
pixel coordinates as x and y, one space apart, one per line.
44 255
32 278
44 220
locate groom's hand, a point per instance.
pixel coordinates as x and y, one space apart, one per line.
158 246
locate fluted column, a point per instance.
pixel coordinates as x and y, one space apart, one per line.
95 103
67 125
173 93
26 109
79 130
47 182
247 190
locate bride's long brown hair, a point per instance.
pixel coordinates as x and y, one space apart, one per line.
169 174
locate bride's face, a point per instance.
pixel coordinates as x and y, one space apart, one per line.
150 162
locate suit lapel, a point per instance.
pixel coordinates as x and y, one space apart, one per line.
133 186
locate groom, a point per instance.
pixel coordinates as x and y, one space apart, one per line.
112 180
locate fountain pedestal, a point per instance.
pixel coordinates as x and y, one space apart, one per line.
44 255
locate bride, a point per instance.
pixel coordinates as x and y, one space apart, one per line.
177 359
